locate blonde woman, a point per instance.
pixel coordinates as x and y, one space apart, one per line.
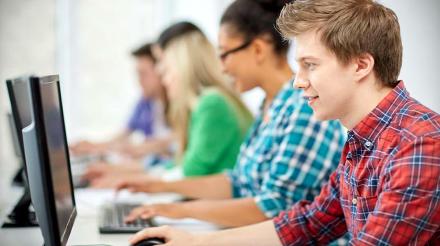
208 118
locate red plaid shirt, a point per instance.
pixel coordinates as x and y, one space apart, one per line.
386 189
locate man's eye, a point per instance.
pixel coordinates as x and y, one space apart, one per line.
310 66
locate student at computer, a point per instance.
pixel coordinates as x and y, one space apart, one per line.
287 154
207 117
148 116
386 188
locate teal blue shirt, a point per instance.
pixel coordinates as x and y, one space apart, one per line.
289 157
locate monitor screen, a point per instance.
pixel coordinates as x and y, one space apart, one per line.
57 152
19 96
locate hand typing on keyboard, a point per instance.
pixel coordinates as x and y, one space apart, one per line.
170 210
142 183
112 219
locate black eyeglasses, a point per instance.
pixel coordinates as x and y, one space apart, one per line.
226 53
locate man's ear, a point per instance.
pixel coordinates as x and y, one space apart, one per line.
364 65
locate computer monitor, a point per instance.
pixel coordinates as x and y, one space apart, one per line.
19 94
18 90
47 162
20 106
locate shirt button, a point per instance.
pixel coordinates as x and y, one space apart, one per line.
354 201
368 144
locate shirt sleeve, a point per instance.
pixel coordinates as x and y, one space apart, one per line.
407 211
132 122
308 223
309 150
233 177
214 128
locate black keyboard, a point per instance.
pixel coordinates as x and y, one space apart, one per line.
112 219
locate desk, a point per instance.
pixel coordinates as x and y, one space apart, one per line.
85 229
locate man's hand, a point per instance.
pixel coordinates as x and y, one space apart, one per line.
172 236
97 169
170 210
112 180
142 183
86 147
102 169
134 151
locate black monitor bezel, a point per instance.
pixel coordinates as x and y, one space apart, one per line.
14 107
38 120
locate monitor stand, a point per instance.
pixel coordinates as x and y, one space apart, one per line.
18 178
21 216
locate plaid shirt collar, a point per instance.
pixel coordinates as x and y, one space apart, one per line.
277 102
370 128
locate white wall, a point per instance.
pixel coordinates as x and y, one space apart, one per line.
27 45
420 29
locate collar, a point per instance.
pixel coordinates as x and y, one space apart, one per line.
369 129
280 98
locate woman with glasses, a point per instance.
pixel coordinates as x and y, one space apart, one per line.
286 156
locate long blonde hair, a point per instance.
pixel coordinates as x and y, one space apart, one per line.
194 60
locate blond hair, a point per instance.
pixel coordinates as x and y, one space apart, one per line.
194 60
350 28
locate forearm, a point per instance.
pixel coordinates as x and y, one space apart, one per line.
229 213
209 187
156 145
263 234
117 140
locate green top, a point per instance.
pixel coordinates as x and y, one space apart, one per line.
216 130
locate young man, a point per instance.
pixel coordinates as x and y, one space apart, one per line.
386 190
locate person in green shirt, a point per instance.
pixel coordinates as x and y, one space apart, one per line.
208 119
216 130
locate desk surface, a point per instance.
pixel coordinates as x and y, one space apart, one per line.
85 229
